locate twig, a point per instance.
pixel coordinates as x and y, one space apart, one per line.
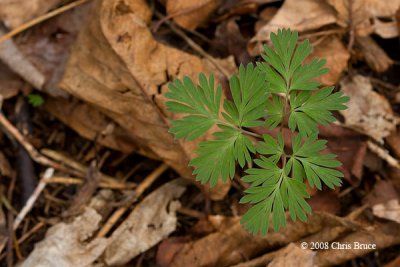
31 201
40 19
383 154
80 168
351 26
78 181
34 229
35 155
146 183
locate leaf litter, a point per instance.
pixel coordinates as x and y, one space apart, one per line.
103 77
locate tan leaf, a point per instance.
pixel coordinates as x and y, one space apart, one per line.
335 62
234 244
309 15
119 68
389 210
149 223
68 244
364 14
292 255
368 111
15 12
190 14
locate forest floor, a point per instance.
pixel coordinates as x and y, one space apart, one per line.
90 175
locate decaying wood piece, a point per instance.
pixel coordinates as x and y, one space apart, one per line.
119 68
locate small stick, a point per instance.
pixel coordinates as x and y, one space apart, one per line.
146 183
383 154
40 19
78 181
35 155
32 199
82 169
34 229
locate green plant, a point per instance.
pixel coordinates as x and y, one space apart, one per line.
275 92
35 100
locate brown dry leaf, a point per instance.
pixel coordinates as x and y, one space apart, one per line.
15 12
265 17
309 15
368 112
234 244
3 229
366 15
118 67
5 167
373 54
389 210
68 244
336 62
230 41
383 236
190 14
11 56
394 263
89 123
168 249
71 244
382 192
47 45
10 83
292 255
149 223
393 141
325 202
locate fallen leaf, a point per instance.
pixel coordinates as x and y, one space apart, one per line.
393 141
5 167
118 67
90 123
382 236
230 41
10 83
234 244
336 62
168 248
373 54
191 14
382 192
325 202
291 255
389 210
365 15
394 263
48 45
149 223
368 112
265 17
15 12
11 56
69 244
309 15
